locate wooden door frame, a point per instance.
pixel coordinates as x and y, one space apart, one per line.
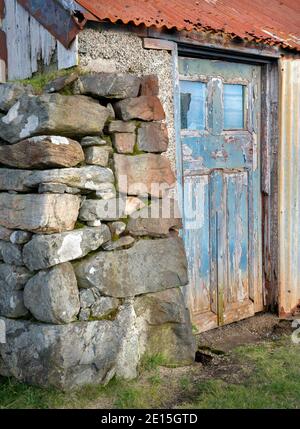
269 152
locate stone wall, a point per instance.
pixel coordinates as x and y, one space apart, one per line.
92 265
103 49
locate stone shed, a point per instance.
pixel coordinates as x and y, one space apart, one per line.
149 178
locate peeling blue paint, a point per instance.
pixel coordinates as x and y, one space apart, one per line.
221 194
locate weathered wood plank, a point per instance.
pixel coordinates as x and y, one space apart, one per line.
166 45
42 45
31 46
200 294
67 58
16 27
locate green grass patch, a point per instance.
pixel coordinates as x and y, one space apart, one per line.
151 362
274 381
40 80
264 375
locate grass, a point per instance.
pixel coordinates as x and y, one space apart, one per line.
263 375
40 80
274 381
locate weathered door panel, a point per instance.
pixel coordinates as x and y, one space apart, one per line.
202 300
220 117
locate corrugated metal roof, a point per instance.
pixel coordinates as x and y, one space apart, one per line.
267 21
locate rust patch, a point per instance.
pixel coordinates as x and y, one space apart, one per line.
3 47
62 24
272 23
295 311
2 9
220 154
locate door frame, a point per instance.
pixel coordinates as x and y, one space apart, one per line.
268 152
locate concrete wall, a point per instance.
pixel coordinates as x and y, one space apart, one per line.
110 50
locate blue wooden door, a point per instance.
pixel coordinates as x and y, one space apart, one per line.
220 142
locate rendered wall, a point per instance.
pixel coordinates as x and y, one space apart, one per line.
109 50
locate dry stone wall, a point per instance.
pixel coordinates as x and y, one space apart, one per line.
91 264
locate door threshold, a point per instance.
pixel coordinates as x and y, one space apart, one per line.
257 328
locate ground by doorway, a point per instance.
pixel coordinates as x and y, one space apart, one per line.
248 364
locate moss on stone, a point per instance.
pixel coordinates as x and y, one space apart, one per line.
107 139
79 225
110 316
136 150
40 80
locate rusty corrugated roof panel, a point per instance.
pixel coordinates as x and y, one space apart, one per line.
267 21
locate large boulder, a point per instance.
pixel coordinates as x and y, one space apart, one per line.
52 295
146 108
157 308
12 282
163 315
45 251
86 178
143 174
53 114
42 152
10 93
174 341
148 266
46 213
71 355
156 219
109 85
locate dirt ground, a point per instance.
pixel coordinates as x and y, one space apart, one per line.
263 326
214 360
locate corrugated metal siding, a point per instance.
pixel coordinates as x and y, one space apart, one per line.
289 188
272 22
56 18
